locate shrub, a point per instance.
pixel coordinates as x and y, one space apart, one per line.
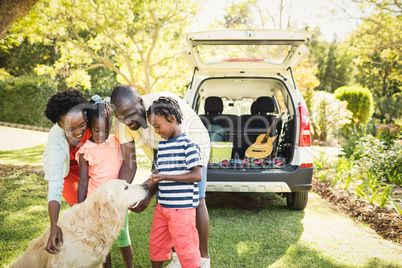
351 134
327 115
372 153
25 98
388 134
360 102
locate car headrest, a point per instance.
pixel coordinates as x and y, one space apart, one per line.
253 108
265 105
213 105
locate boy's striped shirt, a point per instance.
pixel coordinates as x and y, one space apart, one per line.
178 156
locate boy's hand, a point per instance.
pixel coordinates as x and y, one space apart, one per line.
55 240
157 177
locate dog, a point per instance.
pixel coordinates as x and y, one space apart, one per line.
89 228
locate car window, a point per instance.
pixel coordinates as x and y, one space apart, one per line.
216 53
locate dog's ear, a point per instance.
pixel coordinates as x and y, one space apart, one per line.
108 206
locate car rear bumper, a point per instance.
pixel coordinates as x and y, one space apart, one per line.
291 179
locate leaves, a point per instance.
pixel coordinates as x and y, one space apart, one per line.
327 114
137 40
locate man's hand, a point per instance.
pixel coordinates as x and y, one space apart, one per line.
55 240
142 205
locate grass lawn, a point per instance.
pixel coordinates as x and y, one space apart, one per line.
29 156
246 235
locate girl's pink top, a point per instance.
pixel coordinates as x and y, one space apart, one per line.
104 161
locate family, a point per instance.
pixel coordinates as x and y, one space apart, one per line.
81 154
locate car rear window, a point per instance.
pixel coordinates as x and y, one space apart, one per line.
216 53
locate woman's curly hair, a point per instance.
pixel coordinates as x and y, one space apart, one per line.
62 102
165 106
97 110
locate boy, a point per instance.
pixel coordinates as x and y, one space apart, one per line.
178 169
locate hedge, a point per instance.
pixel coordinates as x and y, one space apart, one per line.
24 100
360 101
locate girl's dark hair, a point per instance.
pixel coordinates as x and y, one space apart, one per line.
166 106
62 102
97 110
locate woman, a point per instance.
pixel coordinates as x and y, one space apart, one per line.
69 133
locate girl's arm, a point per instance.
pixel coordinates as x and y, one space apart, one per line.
195 175
84 178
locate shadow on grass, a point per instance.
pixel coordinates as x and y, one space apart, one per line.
299 255
251 230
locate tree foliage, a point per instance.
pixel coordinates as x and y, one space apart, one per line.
378 45
25 99
138 40
334 63
306 80
327 115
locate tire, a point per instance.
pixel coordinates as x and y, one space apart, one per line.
297 200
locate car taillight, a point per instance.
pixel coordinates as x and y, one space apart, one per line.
305 134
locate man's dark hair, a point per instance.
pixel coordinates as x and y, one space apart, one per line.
62 102
124 93
165 106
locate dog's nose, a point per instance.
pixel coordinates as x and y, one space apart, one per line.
145 186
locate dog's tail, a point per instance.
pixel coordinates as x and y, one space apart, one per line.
35 255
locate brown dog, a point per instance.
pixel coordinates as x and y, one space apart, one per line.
89 228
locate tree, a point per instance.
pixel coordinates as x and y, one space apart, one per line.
138 40
327 115
306 80
378 45
239 15
334 63
10 10
257 14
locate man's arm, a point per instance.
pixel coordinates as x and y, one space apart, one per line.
129 166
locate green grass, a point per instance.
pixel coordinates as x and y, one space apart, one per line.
244 231
29 156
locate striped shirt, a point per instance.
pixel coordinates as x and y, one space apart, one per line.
178 156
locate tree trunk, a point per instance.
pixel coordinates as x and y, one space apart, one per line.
11 10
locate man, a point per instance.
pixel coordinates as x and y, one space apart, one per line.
133 129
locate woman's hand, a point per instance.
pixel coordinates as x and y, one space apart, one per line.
55 240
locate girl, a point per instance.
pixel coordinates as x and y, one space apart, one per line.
99 161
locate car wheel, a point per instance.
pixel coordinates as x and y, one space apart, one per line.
297 200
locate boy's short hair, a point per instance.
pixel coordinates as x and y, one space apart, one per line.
166 106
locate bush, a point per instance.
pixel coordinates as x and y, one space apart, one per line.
360 102
350 136
389 134
371 154
24 100
327 115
